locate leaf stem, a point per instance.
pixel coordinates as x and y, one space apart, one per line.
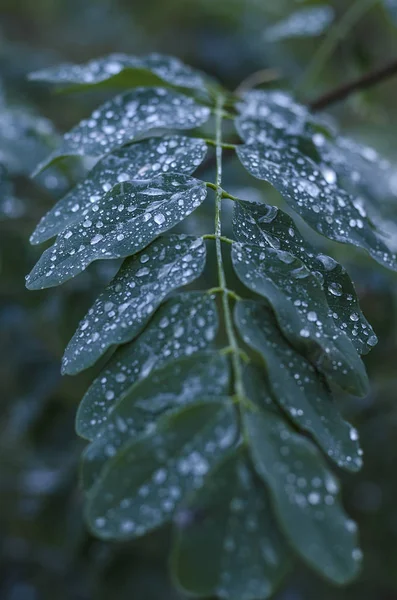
225 145
219 194
221 290
213 236
361 83
229 350
225 194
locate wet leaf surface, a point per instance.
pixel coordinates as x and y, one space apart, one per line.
297 387
230 524
305 495
265 225
140 488
123 222
126 305
183 326
302 312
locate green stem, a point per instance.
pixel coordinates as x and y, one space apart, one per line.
339 31
213 143
235 351
225 194
213 236
221 290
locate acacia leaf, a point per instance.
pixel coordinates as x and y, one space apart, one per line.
176 385
227 542
297 387
304 493
140 488
265 225
182 326
127 116
123 70
271 153
140 161
126 305
123 222
302 312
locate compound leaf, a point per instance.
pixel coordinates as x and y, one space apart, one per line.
142 161
227 542
177 384
304 493
297 387
182 326
140 488
298 300
265 225
123 222
126 305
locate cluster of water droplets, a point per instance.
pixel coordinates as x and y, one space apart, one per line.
177 385
158 470
278 133
167 68
305 496
302 312
125 117
122 223
297 387
183 326
265 225
141 161
231 522
142 283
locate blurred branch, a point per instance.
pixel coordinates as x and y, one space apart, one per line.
345 90
336 34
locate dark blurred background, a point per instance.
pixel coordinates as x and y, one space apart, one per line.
45 550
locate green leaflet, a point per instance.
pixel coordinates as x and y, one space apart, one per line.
302 312
123 70
125 306
275 120
176 385
326 208
304 493
182 326
310 21
265 225
126 117
230 526
123 222
141 487
359 169
311 189
297 387
143 161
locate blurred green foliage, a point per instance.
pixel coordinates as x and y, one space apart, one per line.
45 548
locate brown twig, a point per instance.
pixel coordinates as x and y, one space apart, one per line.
342 92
